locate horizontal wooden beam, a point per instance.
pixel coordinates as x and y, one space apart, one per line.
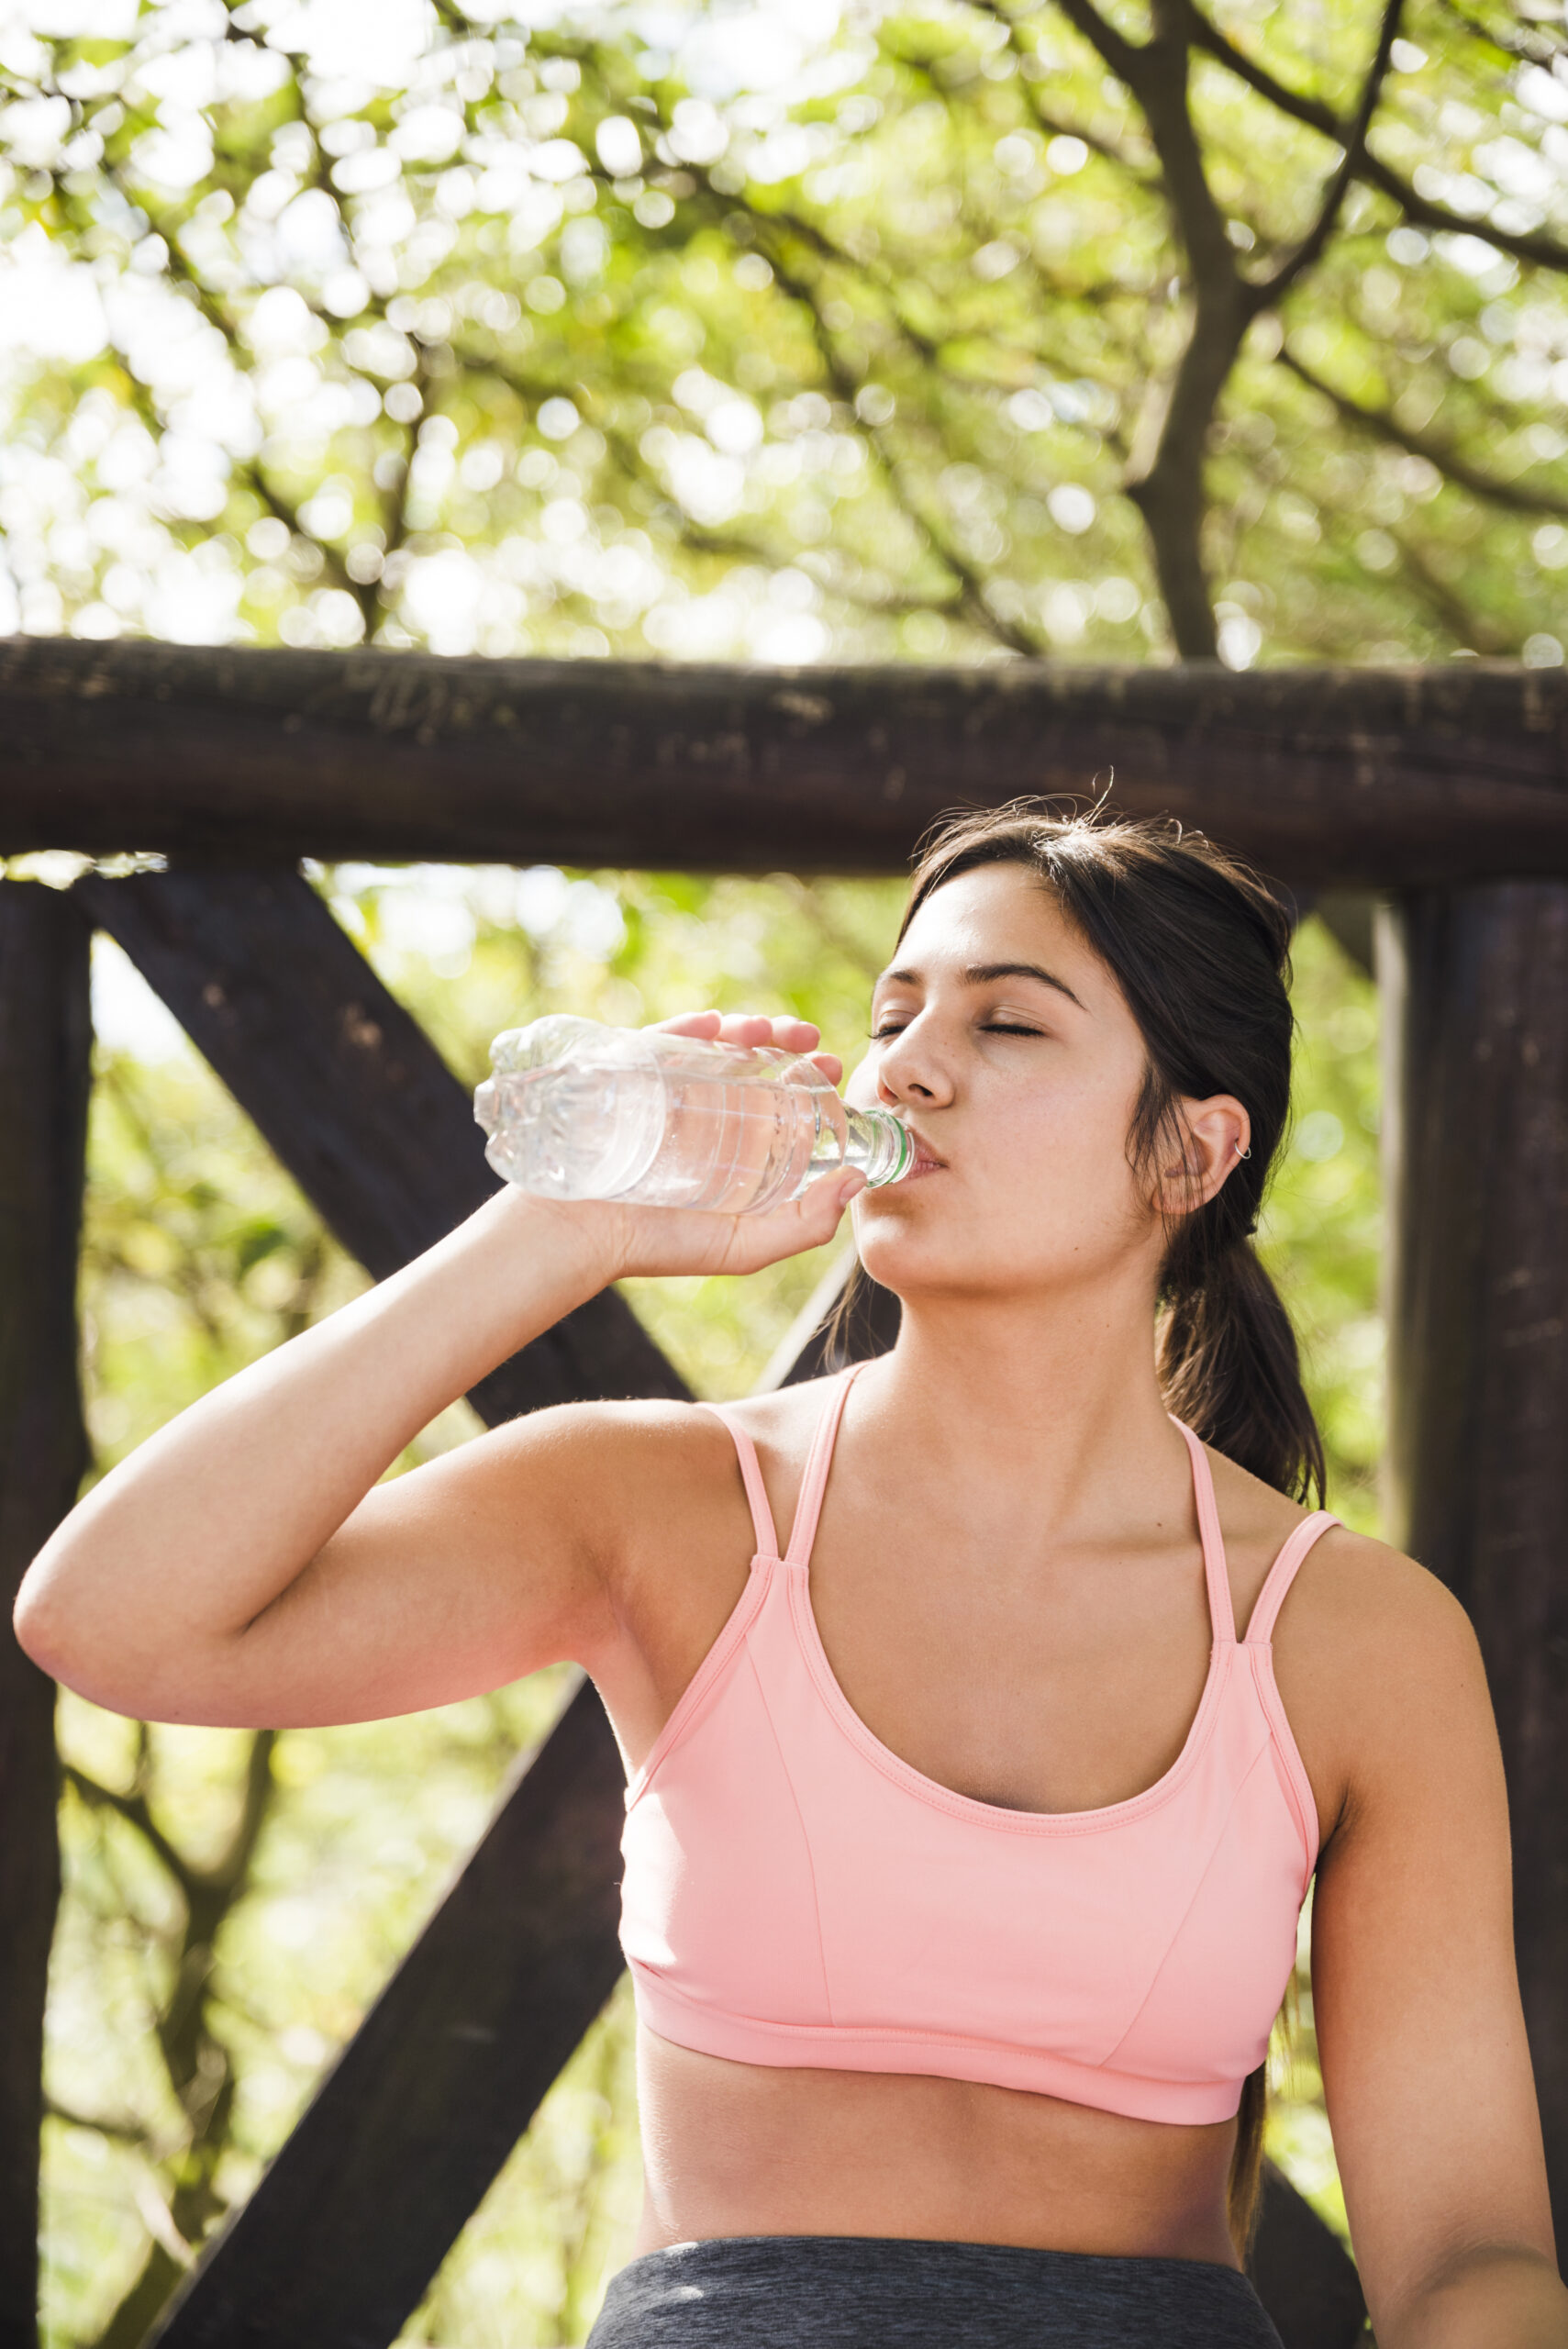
1375 778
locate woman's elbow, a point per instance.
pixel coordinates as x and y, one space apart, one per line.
42 1624
61 1621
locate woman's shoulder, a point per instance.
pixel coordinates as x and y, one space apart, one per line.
1349 1586
1368 1606
658 1426
1370 1648
659 1462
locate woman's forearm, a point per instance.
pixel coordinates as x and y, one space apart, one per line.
201 1528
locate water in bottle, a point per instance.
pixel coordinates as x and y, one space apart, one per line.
574 1110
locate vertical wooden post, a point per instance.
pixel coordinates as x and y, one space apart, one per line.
45 1039
1476 1006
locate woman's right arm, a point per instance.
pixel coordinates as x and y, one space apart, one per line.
245 1566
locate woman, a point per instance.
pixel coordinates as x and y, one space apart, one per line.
966 1840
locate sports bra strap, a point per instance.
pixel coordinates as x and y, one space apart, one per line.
1221 1614
808 1509
1281 1574
752 1477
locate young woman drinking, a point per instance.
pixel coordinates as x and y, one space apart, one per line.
971 1809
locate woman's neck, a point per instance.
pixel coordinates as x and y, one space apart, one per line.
1058 1395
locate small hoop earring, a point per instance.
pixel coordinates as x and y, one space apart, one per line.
1244 1153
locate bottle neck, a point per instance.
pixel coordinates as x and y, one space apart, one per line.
888 1145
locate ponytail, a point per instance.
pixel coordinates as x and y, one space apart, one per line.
1229 1366
1200 947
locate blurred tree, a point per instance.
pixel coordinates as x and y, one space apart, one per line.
961 328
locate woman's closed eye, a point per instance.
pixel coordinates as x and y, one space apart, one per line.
987 1028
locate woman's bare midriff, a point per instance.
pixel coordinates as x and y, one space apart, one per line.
744 2149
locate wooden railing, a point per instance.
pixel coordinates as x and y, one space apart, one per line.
1429 786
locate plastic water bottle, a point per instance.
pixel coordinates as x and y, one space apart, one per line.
579 1111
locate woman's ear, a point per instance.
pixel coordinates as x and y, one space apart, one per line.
1215 1134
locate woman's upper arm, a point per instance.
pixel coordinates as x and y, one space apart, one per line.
1421 2031
454 1577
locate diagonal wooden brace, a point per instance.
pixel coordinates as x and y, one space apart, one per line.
352 1095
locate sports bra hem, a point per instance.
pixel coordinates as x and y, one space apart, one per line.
743 2039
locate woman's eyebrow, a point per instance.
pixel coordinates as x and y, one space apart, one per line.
980 974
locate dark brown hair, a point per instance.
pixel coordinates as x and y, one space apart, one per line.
1200 947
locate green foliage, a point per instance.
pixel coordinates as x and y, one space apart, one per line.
788 334
199 1255
1320 1234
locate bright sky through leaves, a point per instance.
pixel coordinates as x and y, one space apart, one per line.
771 333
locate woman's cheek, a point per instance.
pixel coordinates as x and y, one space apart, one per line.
860 1085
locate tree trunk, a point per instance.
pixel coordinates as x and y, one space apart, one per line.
1476 994
45 1052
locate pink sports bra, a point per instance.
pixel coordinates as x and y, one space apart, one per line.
795 1894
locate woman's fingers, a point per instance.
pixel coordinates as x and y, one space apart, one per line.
690 1023
657 1241
809 1222
749 1027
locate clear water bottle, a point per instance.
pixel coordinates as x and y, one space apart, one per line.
579 1111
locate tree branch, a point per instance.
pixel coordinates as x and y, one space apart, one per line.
1533 48
1382 425
1477 635
125 2131
1271 288
1127 60
229 1872
971 583
1165 477
1052 123
134 1811
183 273
1543 251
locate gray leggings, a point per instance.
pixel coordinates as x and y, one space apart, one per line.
875 2292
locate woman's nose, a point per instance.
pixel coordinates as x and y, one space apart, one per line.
909 1070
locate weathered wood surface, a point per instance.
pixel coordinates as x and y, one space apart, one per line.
1341 775
45 1053
352 1095
1476 992
1305 2278
405 2133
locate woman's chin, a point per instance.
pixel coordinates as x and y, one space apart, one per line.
900 1259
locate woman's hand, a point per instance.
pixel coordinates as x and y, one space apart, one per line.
667 1241
754 1028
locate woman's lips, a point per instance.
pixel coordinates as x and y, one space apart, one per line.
926 1159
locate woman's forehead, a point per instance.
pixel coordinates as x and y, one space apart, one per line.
996 913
